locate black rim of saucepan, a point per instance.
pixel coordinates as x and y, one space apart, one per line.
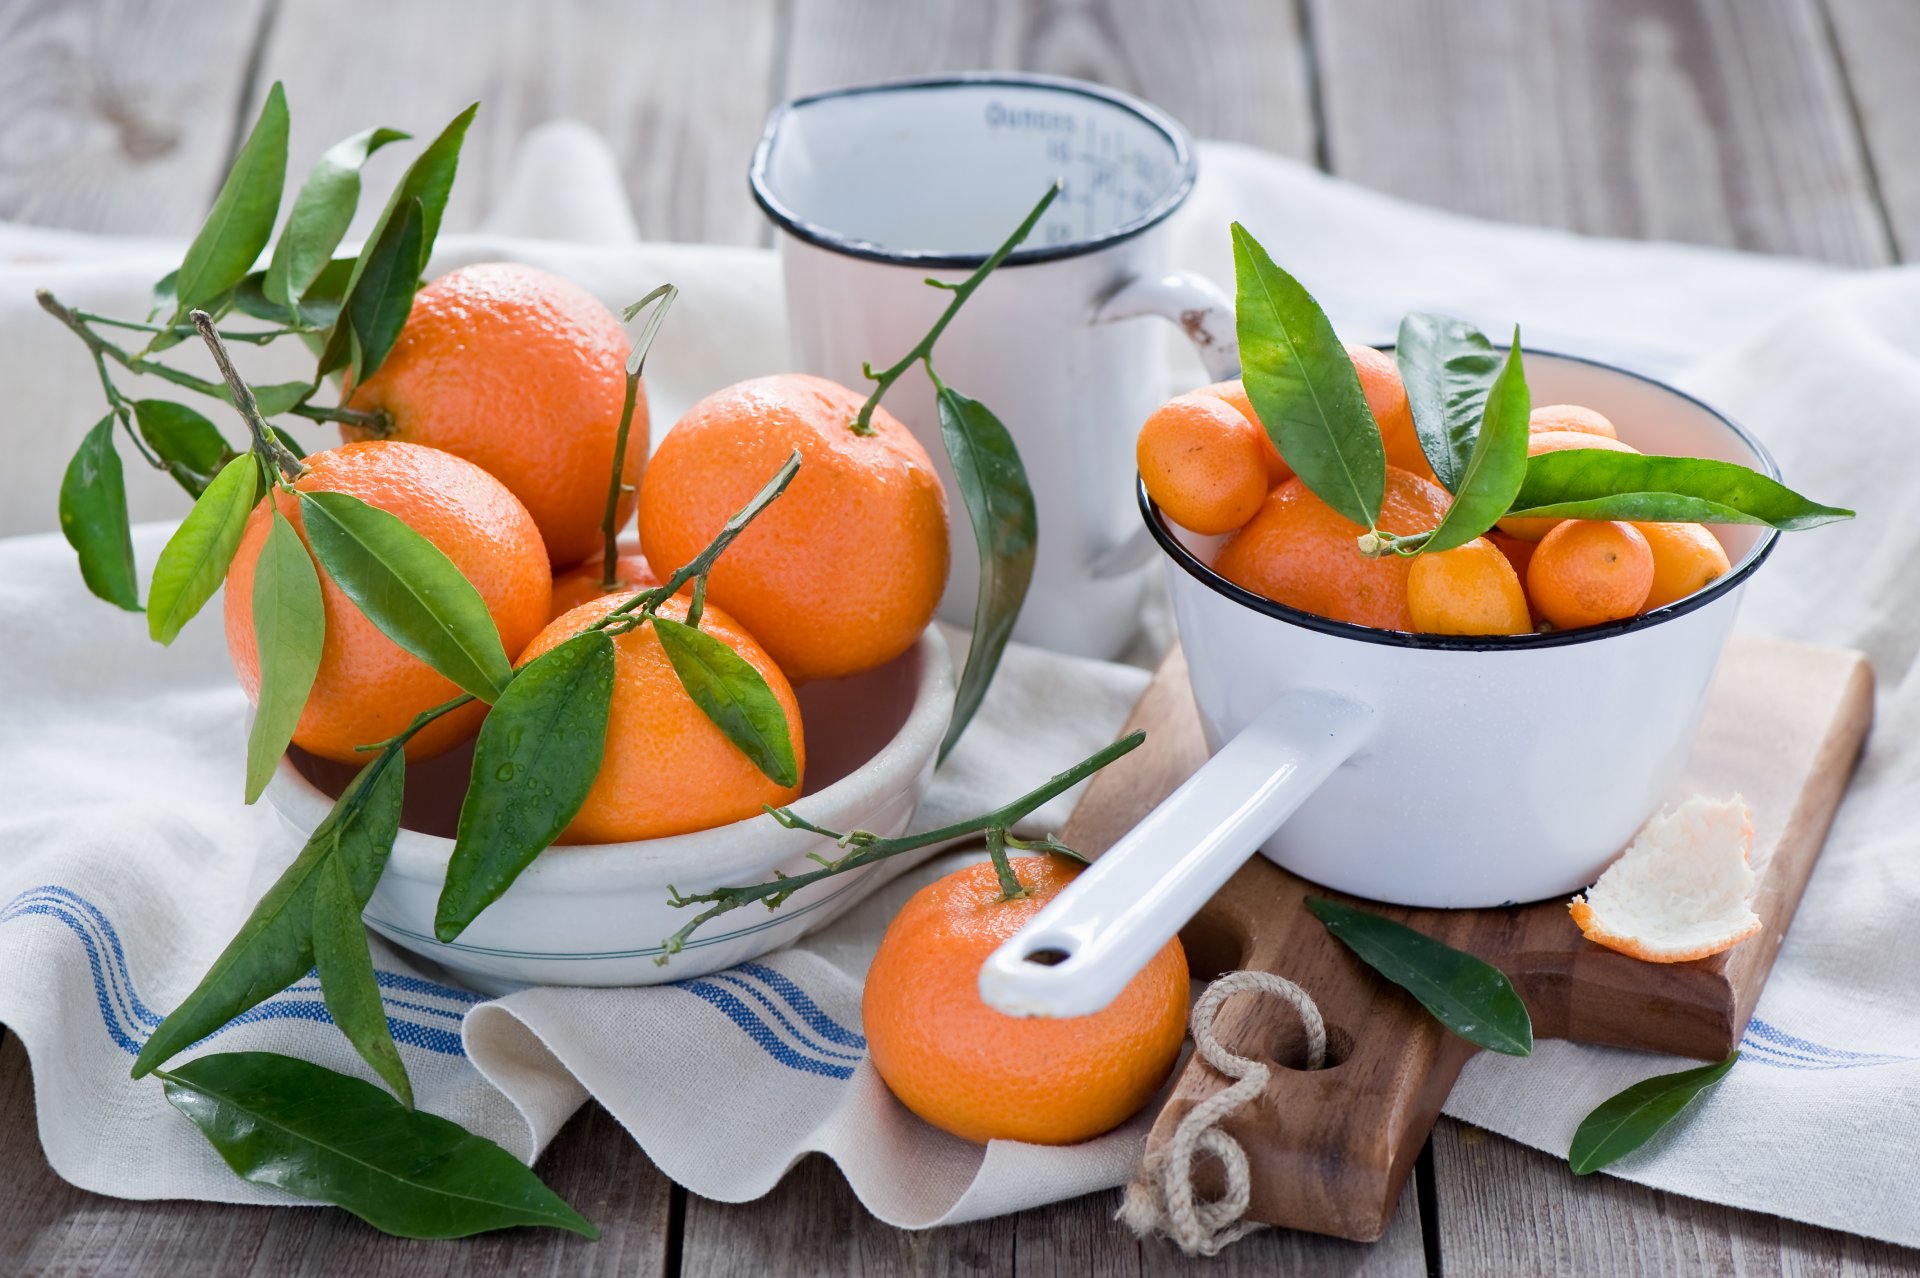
1186 165
1157 523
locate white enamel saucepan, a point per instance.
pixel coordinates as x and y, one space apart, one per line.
1415 769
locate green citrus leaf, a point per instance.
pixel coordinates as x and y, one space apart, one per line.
317 308
1590 483
191 446
194 561
1448 367
321 214
537 756
999 501
1497 463
289 626
733 694
429 179
300 1127
93 515
347 982
274 947
275 397
1624 1122
241 220
384 297
1473 999
1303 387
287 441
407 588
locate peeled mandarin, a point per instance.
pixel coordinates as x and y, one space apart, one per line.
1570 417
1588 571
1686 557
1469 590
1202 463
1554 441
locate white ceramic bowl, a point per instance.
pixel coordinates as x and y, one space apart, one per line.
596 914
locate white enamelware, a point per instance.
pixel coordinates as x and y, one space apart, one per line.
877 188
596 914
1414 769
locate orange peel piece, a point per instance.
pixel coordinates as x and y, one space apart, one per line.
1682 890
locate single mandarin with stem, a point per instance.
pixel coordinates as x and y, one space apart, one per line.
524 374
1686 558
1392 412
1587 571
1554 441
368 688
983 1075
1469 590
631 574
1300 552
666 768
1203 463
1235 393
1586 421
844 571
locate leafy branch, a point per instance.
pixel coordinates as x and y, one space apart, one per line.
864 847
617 487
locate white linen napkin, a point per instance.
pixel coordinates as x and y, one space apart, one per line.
125 861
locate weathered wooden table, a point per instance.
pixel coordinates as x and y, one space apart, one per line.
1789 126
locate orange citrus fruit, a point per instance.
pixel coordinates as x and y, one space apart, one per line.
522 373
984 1075
1469 590
1587 571
1235 393
1554 441
631 571
1387 400
1203 463
368 688
1686 557
843 571
667 769
1571 417
1300 552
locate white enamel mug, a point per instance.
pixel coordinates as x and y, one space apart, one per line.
878 188
1415 769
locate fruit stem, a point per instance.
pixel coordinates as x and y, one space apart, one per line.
866 847
616 485
264 441
420 721
1010 886
884 380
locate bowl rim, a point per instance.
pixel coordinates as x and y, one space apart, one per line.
1170 544
721 853
788 219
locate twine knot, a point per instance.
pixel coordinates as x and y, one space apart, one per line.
1160 1198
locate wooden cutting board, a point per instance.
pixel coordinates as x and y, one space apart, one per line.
1330 1149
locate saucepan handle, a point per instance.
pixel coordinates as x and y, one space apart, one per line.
1080 951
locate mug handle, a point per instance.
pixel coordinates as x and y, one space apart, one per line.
1084 947
1205 314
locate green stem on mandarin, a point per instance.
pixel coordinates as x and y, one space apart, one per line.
258 335
616 485
866 847
1010 887
420 721
264 440
884 380
1374 543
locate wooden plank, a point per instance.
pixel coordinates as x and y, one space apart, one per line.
1877 41
119 117
679 91
1225 68
1713 121
1508 1209
49 1227
812 1224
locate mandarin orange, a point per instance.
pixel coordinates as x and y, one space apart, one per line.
1203 463
522 373
1570 417
667 769
1235 393
983 1075
1469 590
1387 401
368 688
1686 558
843 571
1589 571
